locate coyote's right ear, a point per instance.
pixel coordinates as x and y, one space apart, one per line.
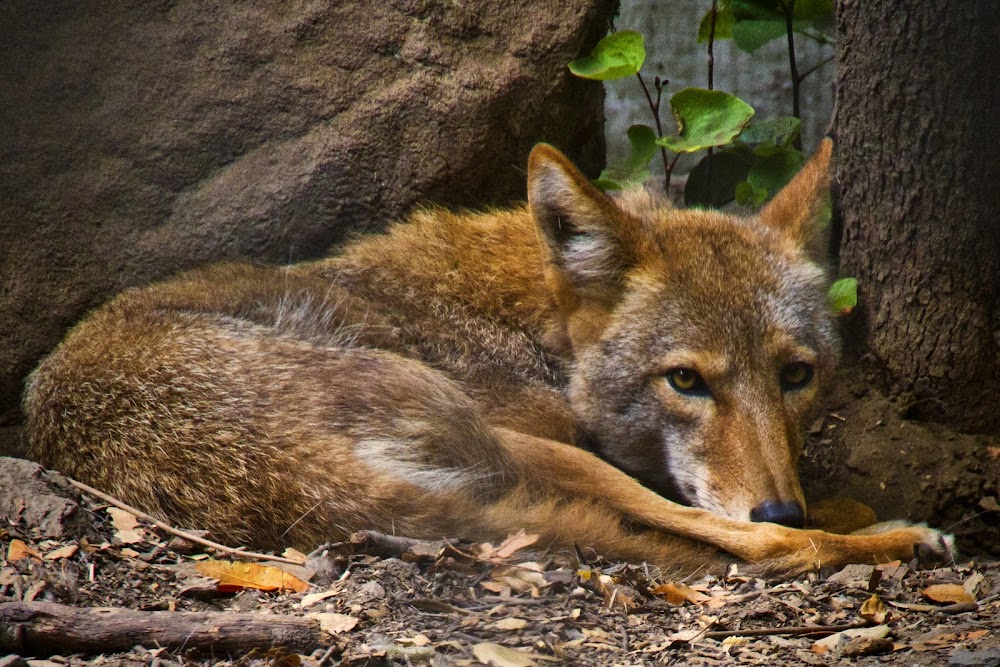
591 244
797 209
581 226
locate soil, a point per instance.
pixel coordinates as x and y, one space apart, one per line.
464 604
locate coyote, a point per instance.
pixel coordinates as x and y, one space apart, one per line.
610 373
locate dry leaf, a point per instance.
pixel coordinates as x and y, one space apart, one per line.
489 653
685 636
18 550
334 624
62 552
874 610
507 548
511 623
419 640
839 638
313 598
234 576
679 594
971 585
947 593
293 554
122 520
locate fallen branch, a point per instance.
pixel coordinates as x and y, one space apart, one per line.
46 628
111 500
791 630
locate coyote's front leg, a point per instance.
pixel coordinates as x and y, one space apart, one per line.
777 548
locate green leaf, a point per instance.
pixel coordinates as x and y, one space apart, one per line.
769 9
750 196
617 56
715 186
705 118
771 173
752 34
767 137
635 170
842 297
724 22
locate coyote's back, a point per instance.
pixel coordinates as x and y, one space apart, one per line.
474 374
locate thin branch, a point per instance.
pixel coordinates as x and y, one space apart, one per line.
815 67
792 630
789 10
655 108
180 533
711 45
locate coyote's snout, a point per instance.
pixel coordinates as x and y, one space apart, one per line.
611 373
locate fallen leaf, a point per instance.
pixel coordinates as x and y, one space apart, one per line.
62 552
293 554
971 585
121 519
874 610
334 624
685 636
489 653
507 548
861 646
419 640
236 575
679 594
313 598
947 593
843 637
510 623
18 550
736 641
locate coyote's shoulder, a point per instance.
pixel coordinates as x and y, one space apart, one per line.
576 367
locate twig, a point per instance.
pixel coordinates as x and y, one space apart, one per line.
176 531
793 630
803 75
789 9
655 108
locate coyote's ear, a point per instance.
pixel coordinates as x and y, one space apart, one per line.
797 209
581 226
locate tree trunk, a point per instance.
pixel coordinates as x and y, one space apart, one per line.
918 145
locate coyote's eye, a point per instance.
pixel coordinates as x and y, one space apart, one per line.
796 375
687 381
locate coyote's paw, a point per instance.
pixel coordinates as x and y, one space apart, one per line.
906 541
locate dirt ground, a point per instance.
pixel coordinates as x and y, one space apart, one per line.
464 604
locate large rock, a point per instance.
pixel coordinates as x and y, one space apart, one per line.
140 138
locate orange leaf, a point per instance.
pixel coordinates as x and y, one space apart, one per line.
679 594
948 593
18 550
234 576
873 609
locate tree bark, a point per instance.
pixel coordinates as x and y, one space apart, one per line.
918 146
45 628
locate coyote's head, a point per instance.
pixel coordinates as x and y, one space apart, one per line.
700 339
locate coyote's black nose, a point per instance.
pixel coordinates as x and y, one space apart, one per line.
774 511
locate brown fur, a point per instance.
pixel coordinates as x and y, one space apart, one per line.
445 378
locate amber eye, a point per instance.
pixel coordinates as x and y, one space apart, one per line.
687 381
796 375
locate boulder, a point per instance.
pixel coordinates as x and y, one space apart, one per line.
142 138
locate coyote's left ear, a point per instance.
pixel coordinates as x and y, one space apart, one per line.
797 209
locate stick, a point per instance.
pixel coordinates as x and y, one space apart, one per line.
47 628
792 630
176 531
